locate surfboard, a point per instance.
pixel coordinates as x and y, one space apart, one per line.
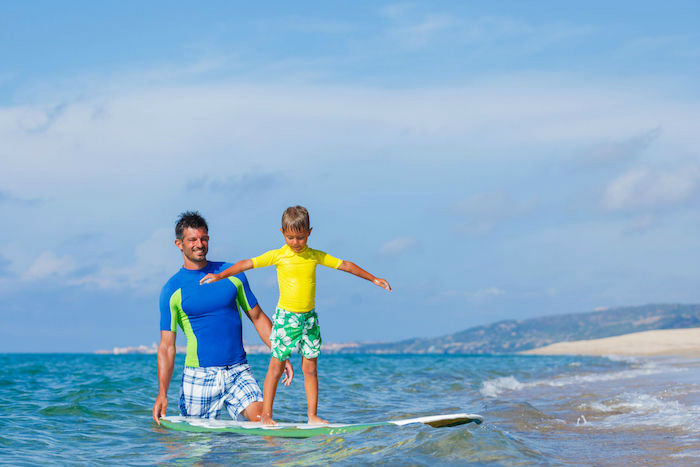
305 430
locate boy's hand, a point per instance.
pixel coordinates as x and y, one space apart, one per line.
209 278
382 283
288 373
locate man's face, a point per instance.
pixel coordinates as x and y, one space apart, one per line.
194 244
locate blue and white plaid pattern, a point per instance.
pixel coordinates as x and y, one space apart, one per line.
206 390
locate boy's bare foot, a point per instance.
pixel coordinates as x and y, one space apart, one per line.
316 420
266 420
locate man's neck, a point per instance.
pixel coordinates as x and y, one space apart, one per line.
195 266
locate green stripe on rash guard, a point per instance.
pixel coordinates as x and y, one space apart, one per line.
191 358
210 315
175 305
240 294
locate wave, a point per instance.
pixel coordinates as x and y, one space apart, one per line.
495 387
635 409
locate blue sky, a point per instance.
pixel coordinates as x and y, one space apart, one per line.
492 160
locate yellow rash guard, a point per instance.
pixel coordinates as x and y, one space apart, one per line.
296 275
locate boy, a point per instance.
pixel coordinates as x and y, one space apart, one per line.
295 322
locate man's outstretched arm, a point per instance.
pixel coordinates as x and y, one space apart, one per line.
263 326
166 363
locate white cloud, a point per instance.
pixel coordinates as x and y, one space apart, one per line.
122 147
483 212
619 150
412 27
398 246
474 296
640 223
49 264
678 45
9 198
486 293
151 262
308 24
643 187
421 31
159 135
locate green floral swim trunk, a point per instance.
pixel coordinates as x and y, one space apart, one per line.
295 331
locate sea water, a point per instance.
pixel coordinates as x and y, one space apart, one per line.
96 410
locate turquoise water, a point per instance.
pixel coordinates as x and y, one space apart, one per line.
96 410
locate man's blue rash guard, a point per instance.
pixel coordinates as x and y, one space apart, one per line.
209 314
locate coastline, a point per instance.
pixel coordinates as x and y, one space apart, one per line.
665 342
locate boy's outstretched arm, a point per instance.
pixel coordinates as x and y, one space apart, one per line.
242 265
353 268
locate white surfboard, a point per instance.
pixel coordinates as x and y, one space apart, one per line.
305 430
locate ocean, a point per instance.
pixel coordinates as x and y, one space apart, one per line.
86 410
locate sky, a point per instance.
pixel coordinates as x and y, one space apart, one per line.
491 160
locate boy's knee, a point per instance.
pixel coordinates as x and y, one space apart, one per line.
276 367
310 373
309 368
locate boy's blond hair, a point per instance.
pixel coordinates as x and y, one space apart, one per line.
296 218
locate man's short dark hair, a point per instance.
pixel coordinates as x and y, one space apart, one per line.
189 219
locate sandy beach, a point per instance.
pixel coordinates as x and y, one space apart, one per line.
679 342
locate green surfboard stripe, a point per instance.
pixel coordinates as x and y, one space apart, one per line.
277 432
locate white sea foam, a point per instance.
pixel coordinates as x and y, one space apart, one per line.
494 387
598 377
687 454
622 358
634 403
635 409
666 399
497 386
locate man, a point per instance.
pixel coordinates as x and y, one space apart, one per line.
217 373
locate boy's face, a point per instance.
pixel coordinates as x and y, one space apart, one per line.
296 239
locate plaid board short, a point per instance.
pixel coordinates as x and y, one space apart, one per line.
206 390
295 331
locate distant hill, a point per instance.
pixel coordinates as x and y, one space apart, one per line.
511 336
